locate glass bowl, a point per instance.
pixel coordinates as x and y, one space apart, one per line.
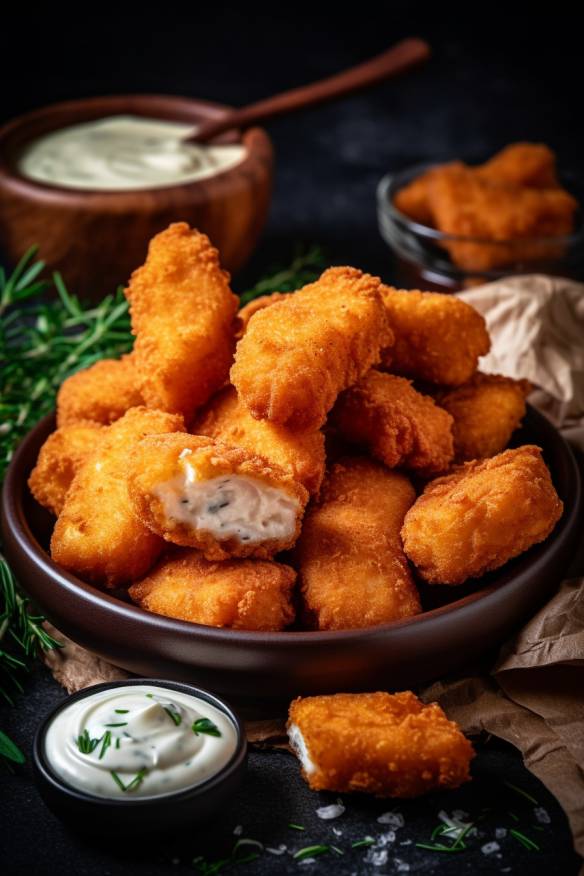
421 252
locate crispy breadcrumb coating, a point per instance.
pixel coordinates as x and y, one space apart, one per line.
480 516
223 500
412 199
351 565
59 460
298 354
102 393
486 411
182 313
97 536
239 594
438 338
301 453
398 426
390 745
248 310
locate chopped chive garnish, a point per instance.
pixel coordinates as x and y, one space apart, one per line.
131 786
86 744
522 792
524 840
120 724
106 741
121 711
174 716
204 725
296 826
118 742
150 696
360 844
310 852
117 780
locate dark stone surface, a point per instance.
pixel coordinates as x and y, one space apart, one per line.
492 81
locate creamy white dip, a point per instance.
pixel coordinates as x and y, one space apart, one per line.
123 153
229 506
139 741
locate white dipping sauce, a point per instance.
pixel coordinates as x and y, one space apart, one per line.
123 153
139 741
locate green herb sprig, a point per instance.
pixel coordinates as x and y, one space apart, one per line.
205 725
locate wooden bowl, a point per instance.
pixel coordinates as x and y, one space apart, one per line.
97 238
262 671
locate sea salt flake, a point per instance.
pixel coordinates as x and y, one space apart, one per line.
542 815
377 857
490 848
401 866
500 832
332 811
307 861
279 851
459 814
394 819
385 839
238 830
406 843
337 831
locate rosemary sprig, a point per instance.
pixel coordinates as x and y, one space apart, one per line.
304 268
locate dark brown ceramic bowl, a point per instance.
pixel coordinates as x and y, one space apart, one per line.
97 238
260 671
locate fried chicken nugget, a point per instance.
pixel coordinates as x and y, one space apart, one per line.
351 565
238 594
486 411
399 426
301 453
521 164
223 500
182 313
390 745
248 310
438 338
97 535
412 199
59 460
102 393
480 516
298 354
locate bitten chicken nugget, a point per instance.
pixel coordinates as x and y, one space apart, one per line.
521 164
223 500
59 460
226 419
480 516
390 745
297 355
102 393
349 556
399 426
248 310
182 313
486 411
97 535
438 338
239 594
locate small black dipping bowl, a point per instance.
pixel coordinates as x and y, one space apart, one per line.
164 814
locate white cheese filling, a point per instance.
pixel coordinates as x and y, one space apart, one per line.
300 750
230 506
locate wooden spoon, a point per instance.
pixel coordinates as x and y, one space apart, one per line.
398 59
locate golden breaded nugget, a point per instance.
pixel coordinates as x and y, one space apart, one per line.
413 200
480 516
349 556
390 745
521 164
223 500
182 313
486 411
226 419
239 594
248 310
102 393
97 536
298 354
397 424
438 338
59 460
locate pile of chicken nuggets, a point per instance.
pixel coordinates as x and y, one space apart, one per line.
510 208
309 460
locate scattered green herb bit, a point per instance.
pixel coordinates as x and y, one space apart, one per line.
121 711
524 840
538 827
174 716
106 741
210 868
150 696
121 724
118 742
117 780
310 852
205 725
444 830
242 843
296 826
336 850
10 749
438 847
86 744
522 792
131 786
360 844
513 816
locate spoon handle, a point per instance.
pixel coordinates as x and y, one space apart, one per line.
394 61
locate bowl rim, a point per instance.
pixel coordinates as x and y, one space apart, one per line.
16 523
387 207
235 762
35 188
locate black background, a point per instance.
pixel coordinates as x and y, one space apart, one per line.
496 76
